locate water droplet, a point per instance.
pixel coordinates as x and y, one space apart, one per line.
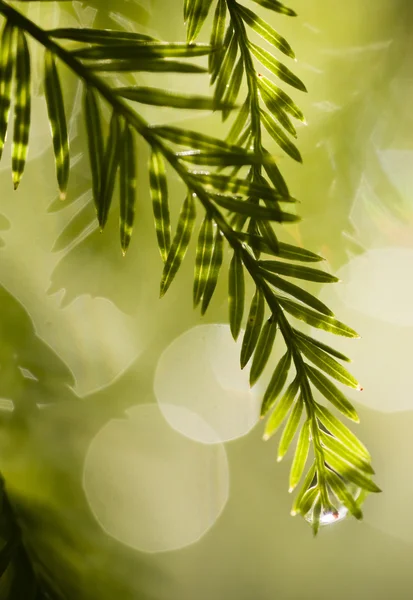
328 517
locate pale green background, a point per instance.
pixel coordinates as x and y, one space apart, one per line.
101 316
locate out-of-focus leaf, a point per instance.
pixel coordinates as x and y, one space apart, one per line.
127 178
142 49
6 74
343 433
180 242
22 108
157 97
317 320
297 292
276 383
236 294
281 410
160 203
109 168
263 349
57 119
203 258
279 136
274 65
93 122
332 393
213 271
264 30
97 36
150 65
253 328
297 271
300 456
290 429
327 363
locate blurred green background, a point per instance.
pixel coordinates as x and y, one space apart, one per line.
129 438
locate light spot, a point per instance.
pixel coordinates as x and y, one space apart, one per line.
151 488
200 373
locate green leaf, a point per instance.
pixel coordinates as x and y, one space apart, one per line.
297 292
264 30
343 433
220 158
358 462
97 36
279 97
276 383
327 363
307 501
234 86
297 271
217 38
196 140
339 488
57 119
22 109
290 429
226 69
127 178
180 242
319 344
156 97
276 111
203 258
281 410
253 328
213 271
109 168
274 65
93 122
196 18
279 136
346 470
315 319
268 235
159 194
239 122
332 393
236 293
79 226
6 74
263 349
316 516
276 7
286 251
143 49
242 186
300 456
274 174
254 210
151 65
308 481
